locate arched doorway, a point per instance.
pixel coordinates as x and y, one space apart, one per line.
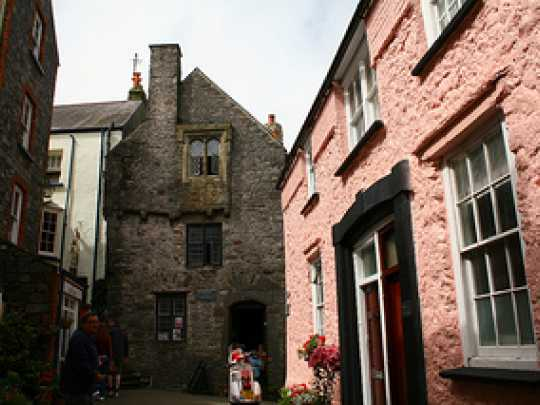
247 324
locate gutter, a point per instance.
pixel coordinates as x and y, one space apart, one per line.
104 141
62 250
324 91
113 127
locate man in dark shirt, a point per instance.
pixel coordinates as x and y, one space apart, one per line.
80 369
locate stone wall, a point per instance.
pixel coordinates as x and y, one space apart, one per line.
20 73
486 66
146 230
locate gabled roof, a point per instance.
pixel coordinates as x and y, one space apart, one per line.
199 72
92 116
324 91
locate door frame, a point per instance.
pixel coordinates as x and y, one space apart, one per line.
388 197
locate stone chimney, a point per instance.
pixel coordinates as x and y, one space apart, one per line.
164 86
275 128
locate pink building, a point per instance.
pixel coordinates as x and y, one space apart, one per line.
411 203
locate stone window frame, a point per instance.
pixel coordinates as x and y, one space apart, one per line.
476 355
362 107
172 335
317 291
205 132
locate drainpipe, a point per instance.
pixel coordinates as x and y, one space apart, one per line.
67 202
104 141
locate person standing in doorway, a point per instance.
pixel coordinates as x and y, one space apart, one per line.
119 355
80 372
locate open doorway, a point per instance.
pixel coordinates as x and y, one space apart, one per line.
247 324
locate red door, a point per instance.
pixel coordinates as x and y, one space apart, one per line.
375 343
393 316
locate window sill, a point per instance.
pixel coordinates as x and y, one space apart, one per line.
311 203
347 163
25 153
492 375
205 267
443 37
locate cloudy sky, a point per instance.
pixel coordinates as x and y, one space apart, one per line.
269 55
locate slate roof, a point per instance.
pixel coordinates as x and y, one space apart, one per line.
86 116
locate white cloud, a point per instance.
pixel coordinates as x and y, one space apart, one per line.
271 56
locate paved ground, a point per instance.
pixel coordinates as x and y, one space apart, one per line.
162 397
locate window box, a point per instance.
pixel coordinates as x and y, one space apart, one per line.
347 163
440 42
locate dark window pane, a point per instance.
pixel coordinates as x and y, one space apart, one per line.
485 322
164 306
478 168
516 260
487 219
468 228
462 179
358 90
506 324
497 261
212 149
497 157
369 260
196 158
524 317
213 243
505 204
477 263
389 249
195 245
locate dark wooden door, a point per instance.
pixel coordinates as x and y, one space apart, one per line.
375 344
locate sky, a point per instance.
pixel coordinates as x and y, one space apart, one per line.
271 56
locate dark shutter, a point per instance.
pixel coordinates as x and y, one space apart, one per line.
195 245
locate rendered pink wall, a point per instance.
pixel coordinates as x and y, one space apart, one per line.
491 62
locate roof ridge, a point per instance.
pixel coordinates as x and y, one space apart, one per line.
212 83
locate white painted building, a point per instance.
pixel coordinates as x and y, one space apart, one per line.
81 136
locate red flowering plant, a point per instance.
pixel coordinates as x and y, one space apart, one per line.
325 362
310 345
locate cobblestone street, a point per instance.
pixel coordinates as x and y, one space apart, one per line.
163 397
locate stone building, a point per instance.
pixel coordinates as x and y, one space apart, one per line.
27 82
195 231
413 186
28 66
